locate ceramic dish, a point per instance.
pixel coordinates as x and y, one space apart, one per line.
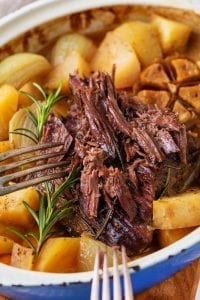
19 33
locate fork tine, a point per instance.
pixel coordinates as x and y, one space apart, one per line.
117 295
16 152
23 173
127 279
15 187
95 283
30 160
106 287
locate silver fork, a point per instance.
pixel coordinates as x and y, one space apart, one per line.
5 179
117 291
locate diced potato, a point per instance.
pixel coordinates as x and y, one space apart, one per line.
31 89
59 255
22 257
5 259
179 211
191 94
74 62
143 37
12 210
8 106
72 42
116 51
167 237
173 35
88 248
6 245
17 69
5 146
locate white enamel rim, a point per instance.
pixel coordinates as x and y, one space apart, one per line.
17 23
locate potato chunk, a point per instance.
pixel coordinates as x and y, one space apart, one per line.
88 248
179 211
6 245
74 62
167 237
59 255
12 210
173 35
22 257
115 51
143 38
8 106
5 259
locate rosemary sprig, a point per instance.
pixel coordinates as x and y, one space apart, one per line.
49 212
42 112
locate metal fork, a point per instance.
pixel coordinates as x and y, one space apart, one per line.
117 291
5 179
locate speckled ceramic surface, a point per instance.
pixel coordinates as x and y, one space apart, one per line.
31 29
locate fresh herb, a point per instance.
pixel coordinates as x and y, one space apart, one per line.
166 183
49 212
42 112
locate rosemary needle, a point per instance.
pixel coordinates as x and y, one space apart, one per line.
42 112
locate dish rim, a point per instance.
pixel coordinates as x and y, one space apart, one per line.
16 21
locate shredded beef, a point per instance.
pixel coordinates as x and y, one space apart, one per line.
123 147
55 131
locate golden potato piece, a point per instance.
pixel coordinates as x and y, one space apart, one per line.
74 62
72 42
5 259
22 257
167 237
173 35
12 210
6 245
160 98
115 51
191 94
5 146
179 211
8 106
143 38
20 68
88 249
59 255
